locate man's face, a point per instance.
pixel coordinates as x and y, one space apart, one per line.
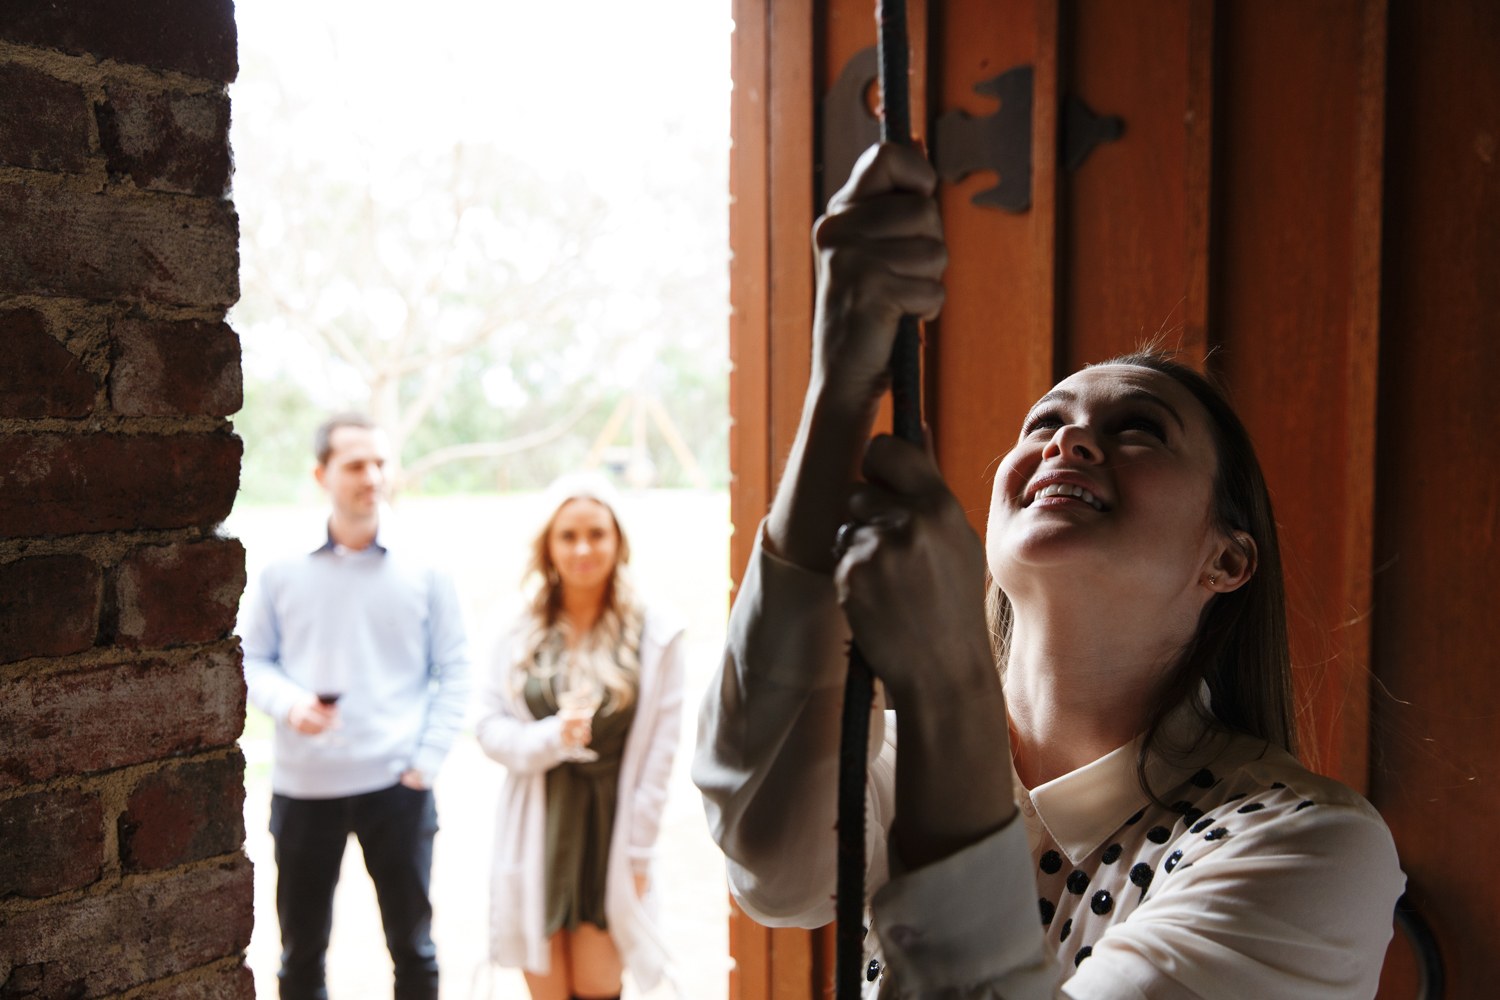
354 474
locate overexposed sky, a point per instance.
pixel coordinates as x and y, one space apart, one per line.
621 98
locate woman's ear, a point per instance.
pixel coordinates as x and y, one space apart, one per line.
1233 564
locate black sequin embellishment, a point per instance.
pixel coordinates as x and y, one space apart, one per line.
1172 860
1132 821
1067 929
1078 882
1102 902
1251 807
1217 833
873 972
1203 779
1303 805
1235 798
1051 862
1083 953
1191 816
1112 853
1142 874
1181 807
1278 784
1203 824
1048 910
1158 834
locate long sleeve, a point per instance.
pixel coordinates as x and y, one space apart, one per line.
767 755
448 664
523 745
656 768
269 687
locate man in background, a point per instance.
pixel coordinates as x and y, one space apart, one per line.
357 650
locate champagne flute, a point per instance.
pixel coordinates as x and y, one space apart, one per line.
579 699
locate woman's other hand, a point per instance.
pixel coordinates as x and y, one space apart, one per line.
911 582
880 255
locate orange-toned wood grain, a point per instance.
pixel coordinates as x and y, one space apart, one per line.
1435 771
749 389
1125 267
989 355
1288 121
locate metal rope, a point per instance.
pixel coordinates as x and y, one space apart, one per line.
859 690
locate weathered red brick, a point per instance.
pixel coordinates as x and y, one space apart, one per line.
116 715
54 841
183 251
186 592
44 122
39 377
49 606
107 943
166 368
166 142
190 36
182 814
235 983
60 484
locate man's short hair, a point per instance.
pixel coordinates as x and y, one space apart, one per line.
323 437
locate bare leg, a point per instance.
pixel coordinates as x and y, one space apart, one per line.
554 985
596 965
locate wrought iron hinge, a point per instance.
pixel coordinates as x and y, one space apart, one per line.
963 144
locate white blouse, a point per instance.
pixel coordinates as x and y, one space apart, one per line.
1257 879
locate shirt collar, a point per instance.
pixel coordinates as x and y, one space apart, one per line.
1082 808
379 544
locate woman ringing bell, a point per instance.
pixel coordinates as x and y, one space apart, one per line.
582 704
1095 793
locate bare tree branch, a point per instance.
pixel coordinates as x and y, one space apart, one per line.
498 449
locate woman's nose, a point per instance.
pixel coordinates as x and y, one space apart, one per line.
1075 443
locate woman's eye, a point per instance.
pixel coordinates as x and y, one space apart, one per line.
1147 424
1043 421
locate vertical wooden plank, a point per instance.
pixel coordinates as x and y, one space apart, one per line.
993 354
1287 116
1436 641
1041 354
792 964
750 947
1197 209
1362 372
748 282
791 194
1124 210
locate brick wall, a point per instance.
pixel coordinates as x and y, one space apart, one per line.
121 870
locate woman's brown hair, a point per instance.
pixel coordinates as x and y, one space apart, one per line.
1241 648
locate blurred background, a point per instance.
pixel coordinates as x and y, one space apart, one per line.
501 229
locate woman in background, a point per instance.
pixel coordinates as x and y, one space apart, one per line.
581 703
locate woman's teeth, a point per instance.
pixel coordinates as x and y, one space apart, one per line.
1069 490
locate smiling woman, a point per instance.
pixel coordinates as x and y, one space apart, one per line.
1145 829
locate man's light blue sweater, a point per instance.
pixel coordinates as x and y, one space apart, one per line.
395 622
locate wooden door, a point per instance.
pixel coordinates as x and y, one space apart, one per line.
1305 200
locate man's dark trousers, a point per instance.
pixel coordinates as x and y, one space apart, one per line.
395 827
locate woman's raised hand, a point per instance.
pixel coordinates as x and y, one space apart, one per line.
911 581
880 256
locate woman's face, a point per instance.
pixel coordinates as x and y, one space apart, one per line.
1138 448
583 543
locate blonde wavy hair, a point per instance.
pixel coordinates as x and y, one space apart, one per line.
609 654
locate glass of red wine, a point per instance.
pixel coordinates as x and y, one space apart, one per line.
329 681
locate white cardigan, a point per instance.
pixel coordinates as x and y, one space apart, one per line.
529 748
